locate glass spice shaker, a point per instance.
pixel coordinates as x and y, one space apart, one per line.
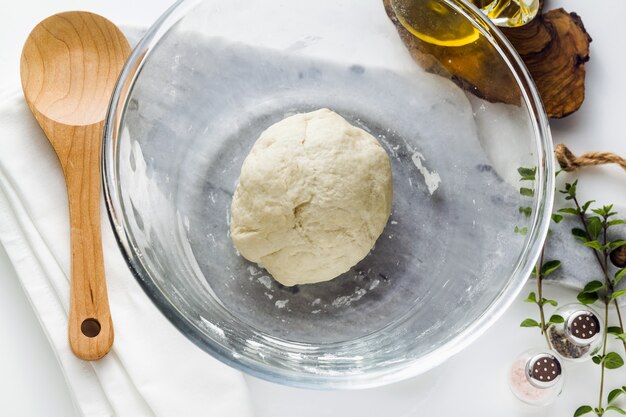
536 377
579 337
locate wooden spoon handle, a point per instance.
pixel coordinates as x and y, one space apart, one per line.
90 326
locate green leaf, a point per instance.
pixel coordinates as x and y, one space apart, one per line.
580 234
526 172
584 409
594 244
594 225
526 211
616 409
587 297
621 336
549 267
522 231
616 244
586 205
556 319
613 360
553 303
528 192
532 298
593 286
617 294
597 359
614 394
600 211
614 330
529 323
619 275
556 218
569 210
615 222
604 211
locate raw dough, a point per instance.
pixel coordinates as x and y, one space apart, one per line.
313 196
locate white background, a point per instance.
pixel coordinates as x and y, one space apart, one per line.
471 384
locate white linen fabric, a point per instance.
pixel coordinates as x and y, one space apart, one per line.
152 370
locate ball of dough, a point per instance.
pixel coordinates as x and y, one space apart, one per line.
313 196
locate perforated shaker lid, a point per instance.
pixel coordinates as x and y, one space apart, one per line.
583 327
543 370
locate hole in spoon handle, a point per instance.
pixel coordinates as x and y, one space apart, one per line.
90 327
91 335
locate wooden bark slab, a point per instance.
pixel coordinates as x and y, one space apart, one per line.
555 48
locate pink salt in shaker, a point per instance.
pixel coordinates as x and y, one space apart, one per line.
536 377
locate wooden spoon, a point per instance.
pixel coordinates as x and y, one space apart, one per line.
69 66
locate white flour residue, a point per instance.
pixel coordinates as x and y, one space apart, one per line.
281 303
346 300
374 284
266 281
270 296
316 301
253 271
393 150
432 179
315 311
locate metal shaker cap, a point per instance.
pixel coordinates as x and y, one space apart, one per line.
543 370
582 327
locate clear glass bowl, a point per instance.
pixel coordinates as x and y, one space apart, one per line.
210 76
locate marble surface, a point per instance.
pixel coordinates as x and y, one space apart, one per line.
31 382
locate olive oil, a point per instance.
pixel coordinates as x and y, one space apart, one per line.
509 13
437 23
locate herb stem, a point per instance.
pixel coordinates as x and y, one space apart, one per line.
606 317
584 222
540 298
619 318
606 334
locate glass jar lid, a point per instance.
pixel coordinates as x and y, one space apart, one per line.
543 370
583 327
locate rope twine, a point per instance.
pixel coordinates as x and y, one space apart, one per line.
570 162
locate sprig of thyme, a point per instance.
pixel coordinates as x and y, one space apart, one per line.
542 269
594 235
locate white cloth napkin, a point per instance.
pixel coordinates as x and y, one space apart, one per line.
152 370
